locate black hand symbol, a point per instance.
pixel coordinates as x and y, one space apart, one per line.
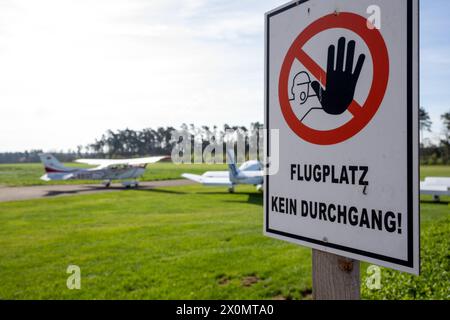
341 83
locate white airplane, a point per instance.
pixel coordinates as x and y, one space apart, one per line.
106 170
250 172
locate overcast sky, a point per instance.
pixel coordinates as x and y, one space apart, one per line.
71 69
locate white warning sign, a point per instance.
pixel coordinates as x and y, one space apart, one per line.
342 89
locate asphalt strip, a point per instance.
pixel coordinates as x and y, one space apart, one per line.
49 191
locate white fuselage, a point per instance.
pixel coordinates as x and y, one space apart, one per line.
106 169
118 173
249 173
248 177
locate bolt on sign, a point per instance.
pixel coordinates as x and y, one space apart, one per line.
342 89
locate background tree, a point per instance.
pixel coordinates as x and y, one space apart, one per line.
425 122
446 119
129 143
445 143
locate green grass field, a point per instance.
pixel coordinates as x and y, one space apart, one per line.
181 243
29 174
162 244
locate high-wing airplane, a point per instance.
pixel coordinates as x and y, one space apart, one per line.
250 172
105 170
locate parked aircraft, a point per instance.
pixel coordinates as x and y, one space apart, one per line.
105 170
250 172
436 187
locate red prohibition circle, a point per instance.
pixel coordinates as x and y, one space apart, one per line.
362 115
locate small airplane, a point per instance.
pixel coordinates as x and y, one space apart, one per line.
250 172
106 170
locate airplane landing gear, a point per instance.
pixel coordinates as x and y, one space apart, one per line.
107 183
231 190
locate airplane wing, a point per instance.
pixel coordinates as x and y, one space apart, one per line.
209 181
110 162
56 176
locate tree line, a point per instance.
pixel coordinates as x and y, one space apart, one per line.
135 143
151 142
32 156
434 153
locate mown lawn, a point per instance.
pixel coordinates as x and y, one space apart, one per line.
434 281
179 243
434 171
176 243
29 174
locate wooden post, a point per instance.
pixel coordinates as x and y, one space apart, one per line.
335 277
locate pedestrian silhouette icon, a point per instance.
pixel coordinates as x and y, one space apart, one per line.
301 88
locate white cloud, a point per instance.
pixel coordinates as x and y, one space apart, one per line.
69 70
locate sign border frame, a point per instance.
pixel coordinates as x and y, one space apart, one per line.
412 264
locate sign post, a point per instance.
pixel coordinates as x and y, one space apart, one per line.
342 91
335 277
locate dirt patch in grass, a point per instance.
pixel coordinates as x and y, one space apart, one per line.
223 280
307 294
249 281
280 298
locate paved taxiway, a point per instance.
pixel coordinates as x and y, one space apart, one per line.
48 191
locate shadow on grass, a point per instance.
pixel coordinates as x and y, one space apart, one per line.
84 189
59 193
253 198
155 190
225 192
441 202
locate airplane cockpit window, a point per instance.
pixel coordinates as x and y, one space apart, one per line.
251 166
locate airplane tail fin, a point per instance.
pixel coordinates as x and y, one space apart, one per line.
52 165
232 167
